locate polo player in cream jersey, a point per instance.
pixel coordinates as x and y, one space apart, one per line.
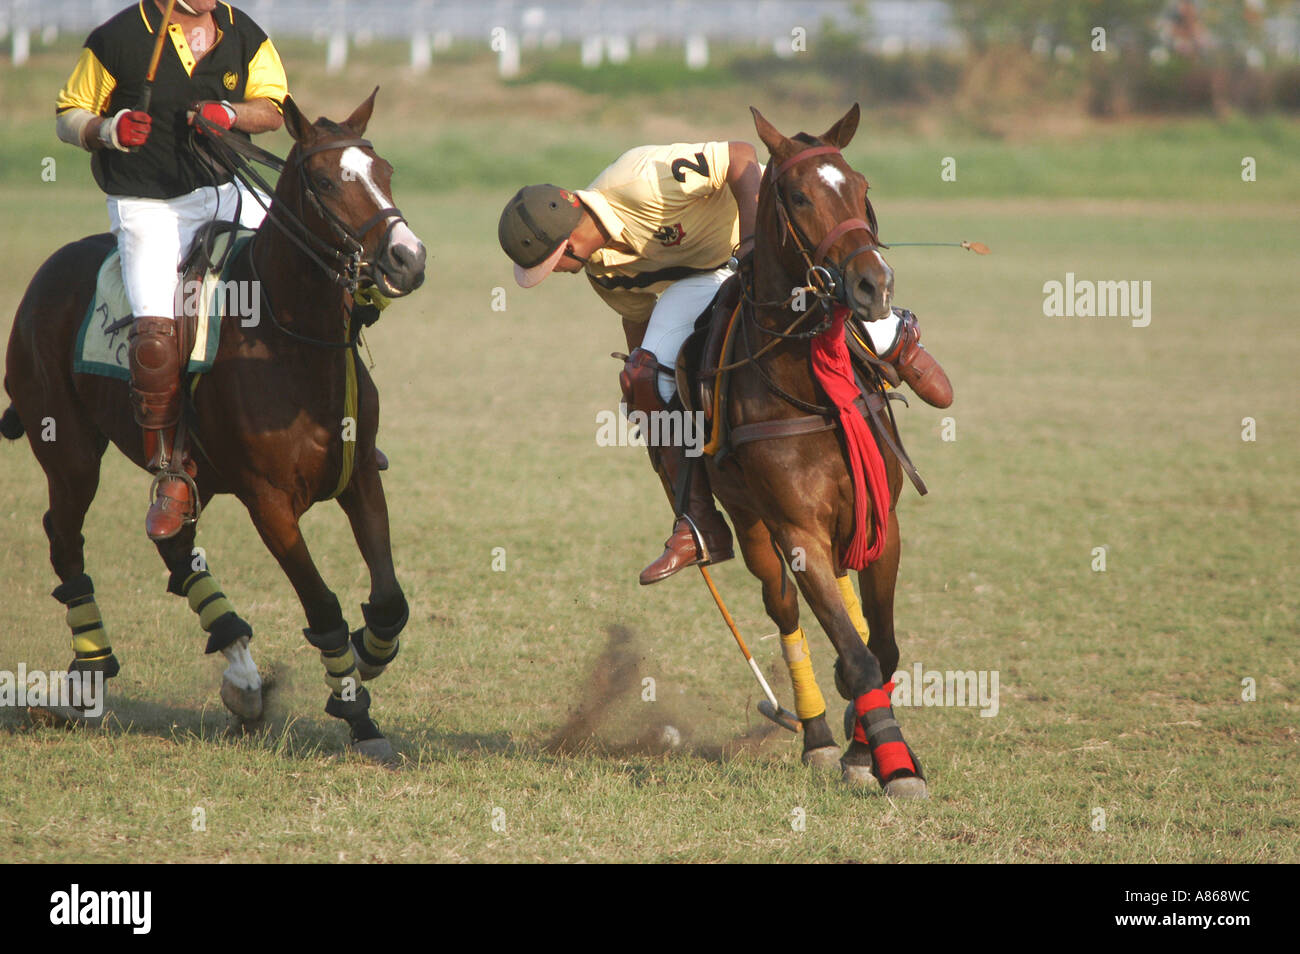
656 233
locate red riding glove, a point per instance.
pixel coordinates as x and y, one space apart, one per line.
126 131
219 114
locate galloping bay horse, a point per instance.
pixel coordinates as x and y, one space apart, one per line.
269 421
787 486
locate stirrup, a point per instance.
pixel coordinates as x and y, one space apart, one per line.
164 475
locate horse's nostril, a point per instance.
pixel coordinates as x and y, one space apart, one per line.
866 290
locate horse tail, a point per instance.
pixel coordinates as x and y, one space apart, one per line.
11 425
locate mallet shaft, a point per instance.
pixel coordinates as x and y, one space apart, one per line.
147 96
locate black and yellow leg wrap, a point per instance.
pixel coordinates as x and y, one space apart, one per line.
90 647
216 614
340 665
376 643
355 712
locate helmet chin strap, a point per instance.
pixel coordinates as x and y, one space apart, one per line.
187 8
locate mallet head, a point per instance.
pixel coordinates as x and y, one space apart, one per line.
782 716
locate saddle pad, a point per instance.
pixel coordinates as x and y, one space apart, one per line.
101 346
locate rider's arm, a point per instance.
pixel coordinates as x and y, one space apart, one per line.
264 93
83 99
257 115
743 176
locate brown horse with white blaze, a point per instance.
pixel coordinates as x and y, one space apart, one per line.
268 420
790 493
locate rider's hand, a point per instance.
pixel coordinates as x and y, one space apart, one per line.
219 114
126 131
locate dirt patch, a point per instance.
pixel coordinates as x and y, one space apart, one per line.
611 718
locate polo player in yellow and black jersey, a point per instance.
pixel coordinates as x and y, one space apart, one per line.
655 233
216 62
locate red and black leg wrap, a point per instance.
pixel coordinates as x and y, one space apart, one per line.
877 729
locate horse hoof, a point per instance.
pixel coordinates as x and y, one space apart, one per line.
246 704
826 758
62 716
909 786
857 776
378 750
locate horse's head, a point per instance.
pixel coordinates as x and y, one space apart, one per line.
813 204
344 186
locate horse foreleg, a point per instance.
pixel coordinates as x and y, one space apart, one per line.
375 644
277 523
877 748
877 582
228 633
781 600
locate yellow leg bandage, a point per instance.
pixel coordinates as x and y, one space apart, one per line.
808 699
206 599
89 638
376 646
340 669
850 597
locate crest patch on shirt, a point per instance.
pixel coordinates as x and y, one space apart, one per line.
230 80
670 235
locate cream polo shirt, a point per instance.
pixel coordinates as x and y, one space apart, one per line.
670 214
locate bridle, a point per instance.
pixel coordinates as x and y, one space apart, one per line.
343 265
825 278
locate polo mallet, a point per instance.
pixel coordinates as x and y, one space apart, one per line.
979 248
147 96
769 707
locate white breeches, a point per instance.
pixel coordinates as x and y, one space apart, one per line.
154 234
673 320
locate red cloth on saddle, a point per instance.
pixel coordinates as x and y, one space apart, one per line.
834 370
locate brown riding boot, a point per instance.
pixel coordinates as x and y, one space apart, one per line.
700 535
917 366
156 400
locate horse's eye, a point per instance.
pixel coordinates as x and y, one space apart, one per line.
798 198
324 184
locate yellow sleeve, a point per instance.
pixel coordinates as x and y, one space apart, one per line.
631 305
266 79
89 87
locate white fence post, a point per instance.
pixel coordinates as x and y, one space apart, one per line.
697 52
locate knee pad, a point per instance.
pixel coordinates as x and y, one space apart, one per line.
639 380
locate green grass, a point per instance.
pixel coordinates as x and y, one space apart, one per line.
1119 690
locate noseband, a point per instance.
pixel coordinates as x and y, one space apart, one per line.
827 277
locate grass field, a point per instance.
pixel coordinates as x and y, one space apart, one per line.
1120 690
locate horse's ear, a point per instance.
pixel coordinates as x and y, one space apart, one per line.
361 115
294 121
842 132
768 133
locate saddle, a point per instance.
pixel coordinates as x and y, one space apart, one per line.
703 381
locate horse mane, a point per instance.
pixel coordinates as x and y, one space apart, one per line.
331 126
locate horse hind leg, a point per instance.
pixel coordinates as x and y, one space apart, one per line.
228 633
781 600
71 462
